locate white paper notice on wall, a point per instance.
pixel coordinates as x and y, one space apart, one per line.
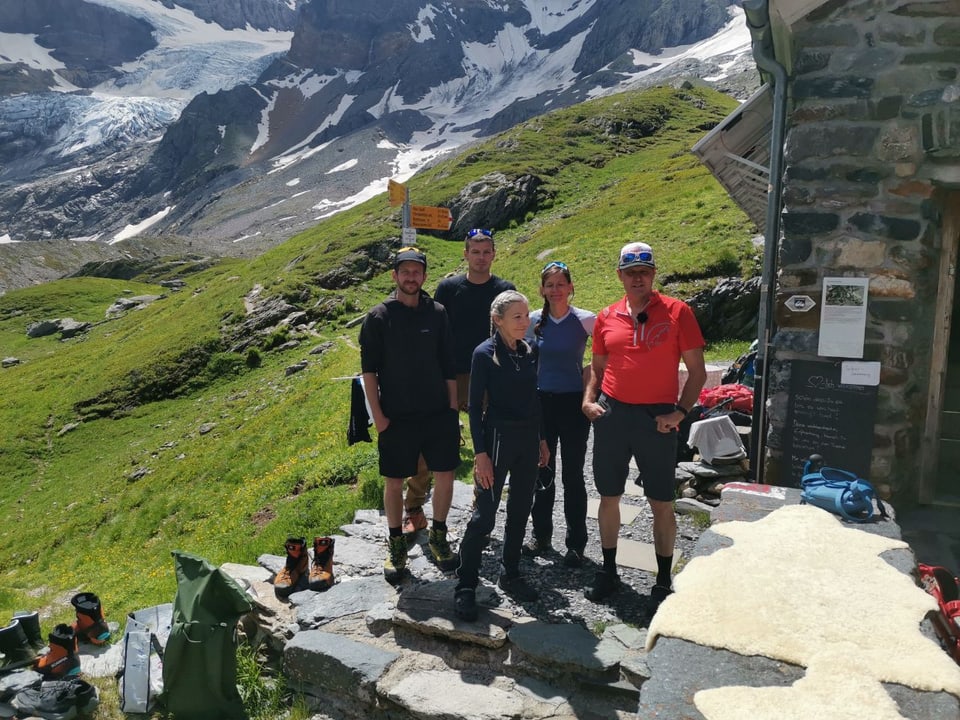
859 373
843 317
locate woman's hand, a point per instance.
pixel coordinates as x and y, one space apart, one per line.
483 470
544 453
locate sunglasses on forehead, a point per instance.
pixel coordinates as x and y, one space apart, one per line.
554 264
481 232
643 256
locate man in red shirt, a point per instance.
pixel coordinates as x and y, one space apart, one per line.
632 400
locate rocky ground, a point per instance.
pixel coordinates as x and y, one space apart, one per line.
561 588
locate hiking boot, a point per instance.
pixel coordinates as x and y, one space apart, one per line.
443 556
30 622
414 521
15 646
321 571
90 625
604 585
465 604
62 661
516 587
295 568
535 546
573 558
395 565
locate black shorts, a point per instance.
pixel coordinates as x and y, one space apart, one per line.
626 431
436 437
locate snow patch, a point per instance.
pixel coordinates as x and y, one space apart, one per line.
549 18
293 183
311 85
6 239
22 48
342 166
732 39
382 106
421 30
263 127
284 161
133 230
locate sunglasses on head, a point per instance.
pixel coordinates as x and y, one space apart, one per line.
480 231
554 264
643 256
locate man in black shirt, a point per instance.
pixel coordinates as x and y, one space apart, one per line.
467 300
406 355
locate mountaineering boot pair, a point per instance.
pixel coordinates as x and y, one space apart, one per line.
30 622
321 571
296 567
90 625
62 661
15 647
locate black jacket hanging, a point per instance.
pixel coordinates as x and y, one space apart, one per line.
359 418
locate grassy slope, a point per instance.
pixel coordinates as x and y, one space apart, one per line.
72 514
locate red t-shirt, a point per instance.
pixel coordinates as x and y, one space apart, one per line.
643 360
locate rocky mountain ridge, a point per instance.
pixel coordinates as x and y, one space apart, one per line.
364 92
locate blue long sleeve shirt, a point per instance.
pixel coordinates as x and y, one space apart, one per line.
510 386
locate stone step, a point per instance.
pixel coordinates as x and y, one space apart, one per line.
331 666
428 609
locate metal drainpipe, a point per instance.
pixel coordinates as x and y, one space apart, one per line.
758 20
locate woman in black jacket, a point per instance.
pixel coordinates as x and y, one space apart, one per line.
507 439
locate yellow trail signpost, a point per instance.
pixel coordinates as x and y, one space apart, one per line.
430 218
416 216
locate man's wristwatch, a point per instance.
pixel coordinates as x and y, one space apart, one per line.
682 409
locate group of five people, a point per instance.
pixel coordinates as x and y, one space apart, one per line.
476 346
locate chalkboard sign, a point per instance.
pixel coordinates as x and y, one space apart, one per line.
827 418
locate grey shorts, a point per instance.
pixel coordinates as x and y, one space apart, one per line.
626 431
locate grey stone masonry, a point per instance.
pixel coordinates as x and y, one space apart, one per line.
322 663
873 128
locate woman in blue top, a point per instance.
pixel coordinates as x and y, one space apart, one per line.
507 438
560 332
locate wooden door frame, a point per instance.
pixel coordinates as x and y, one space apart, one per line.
946 284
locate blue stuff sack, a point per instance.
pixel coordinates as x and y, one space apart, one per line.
839 491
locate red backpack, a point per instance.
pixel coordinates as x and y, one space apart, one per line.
945 588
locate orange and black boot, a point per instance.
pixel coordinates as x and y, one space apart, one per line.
90 625
15 647
30 622
321 571
62 661
295 568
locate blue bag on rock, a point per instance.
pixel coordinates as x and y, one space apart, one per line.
839 491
